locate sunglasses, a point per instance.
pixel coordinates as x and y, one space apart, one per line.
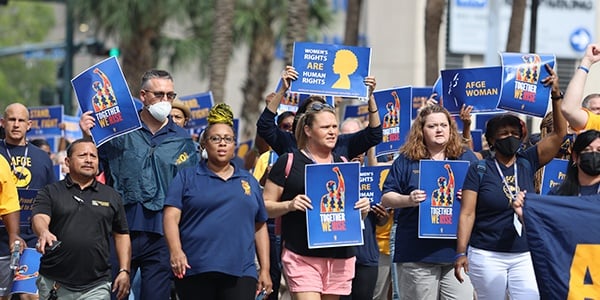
161 95
318 106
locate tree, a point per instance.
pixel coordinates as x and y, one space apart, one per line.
297 26
352 22
222 45
434 10
138 27
515 29
22 80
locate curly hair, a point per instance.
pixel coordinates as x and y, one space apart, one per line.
414 148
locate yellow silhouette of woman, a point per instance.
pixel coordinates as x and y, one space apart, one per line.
345 64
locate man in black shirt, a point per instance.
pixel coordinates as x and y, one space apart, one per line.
81 214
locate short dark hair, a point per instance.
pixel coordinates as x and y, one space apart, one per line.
570 185
39 142
79 141
154 73
500 121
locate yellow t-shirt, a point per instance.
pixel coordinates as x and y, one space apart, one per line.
382 233
9 198
593 121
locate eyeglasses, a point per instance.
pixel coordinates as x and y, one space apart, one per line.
215 139
318 106
161 95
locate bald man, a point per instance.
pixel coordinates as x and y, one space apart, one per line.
31 169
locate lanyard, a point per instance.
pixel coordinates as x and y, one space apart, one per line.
506 185
13 165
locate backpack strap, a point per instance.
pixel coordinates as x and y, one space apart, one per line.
344 159
288 164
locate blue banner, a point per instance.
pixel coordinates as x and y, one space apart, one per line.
199 105
478 87
242 148
27 273
360 111
45 120
564 241
333 191
441 180
522 89
102 89
394 106
326 69
26 198
371 182
481 120
477 138
554 173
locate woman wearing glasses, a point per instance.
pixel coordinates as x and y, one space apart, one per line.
425 266
209 260
348 145
310 273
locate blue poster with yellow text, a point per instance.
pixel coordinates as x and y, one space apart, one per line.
553 174
327 69
478 87
419 98
45 120
395 107
199 105
333 191
102 89
441 180
371 182
27 272
523 90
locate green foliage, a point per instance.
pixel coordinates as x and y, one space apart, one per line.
20 79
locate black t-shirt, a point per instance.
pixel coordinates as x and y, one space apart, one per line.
293 224
83 220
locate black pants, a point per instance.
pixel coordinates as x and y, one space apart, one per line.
215 286
363 284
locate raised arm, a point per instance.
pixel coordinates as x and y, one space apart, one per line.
571 106
549 145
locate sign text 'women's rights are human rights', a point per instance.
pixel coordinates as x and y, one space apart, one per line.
336 70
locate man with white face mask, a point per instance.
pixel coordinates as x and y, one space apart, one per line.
140 165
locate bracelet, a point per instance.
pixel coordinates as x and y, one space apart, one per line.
374 111
583 69
561 95
465 140
459 255
123 270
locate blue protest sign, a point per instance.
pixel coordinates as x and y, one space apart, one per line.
523 90
359 111
478 87
327 69
102 89
199 105
441 180
333 191
72 130
27 272
394 106
371 182
45 120
553 174
419 98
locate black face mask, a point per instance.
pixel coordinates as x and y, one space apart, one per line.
589 163
508 146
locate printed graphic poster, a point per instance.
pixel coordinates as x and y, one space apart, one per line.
441 180
27 273
45 120
199 105
523 90
371 182
419 98
478 87
394 106
327 69
102 89
554 173
333 190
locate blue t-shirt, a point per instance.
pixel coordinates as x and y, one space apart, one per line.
403 179
218 219
33 168
493 228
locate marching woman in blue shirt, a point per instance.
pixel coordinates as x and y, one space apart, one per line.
498 259
215 222
425 267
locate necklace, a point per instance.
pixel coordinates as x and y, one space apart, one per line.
13 164
307 152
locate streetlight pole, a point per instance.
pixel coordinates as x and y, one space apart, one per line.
68 63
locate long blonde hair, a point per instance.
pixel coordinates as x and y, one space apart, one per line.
414 148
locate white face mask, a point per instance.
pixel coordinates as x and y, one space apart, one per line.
160 111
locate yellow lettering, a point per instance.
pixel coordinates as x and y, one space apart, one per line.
326 226
49 123
365 186
103 122
435 219
586 263
315 66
